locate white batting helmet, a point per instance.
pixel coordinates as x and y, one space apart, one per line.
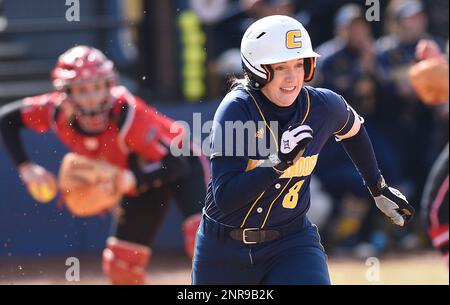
275 39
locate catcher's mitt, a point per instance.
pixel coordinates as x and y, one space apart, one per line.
89 186
429 78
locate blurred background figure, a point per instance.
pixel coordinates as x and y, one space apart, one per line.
430 79
262 8
437 12
404 118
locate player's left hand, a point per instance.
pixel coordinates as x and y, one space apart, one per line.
392 203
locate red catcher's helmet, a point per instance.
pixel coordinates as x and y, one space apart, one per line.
82 64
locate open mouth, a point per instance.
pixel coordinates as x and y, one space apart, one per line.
288 89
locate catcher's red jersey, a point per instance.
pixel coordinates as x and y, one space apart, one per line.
134 127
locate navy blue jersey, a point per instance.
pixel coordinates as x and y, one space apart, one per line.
272 200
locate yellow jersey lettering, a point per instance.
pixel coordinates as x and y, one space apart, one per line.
302 168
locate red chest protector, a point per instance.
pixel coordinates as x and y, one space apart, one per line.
134 127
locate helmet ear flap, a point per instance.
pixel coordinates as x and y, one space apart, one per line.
310 67
256 82
269 72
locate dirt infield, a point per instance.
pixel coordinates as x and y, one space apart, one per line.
170 268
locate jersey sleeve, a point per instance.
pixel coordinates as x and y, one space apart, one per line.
344 122
224 141
37 112
149 133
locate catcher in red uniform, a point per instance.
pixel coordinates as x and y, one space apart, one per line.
120 159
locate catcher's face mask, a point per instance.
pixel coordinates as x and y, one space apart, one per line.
92 103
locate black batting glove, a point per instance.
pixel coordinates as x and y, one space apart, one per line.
392 203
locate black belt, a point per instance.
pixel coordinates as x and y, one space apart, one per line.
252 236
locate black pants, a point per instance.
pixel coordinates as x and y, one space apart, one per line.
142 215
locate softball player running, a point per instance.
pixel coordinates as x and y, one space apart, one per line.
254 229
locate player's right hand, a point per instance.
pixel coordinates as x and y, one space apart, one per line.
292 145
40 183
